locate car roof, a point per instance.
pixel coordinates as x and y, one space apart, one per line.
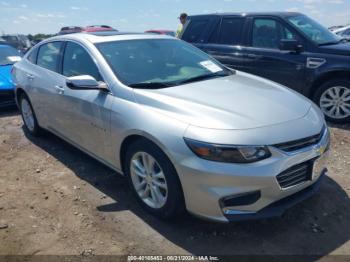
107 36
279 14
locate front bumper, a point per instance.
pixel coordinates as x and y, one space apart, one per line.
7 98
277 208
206 183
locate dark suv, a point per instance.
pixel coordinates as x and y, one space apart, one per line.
288 48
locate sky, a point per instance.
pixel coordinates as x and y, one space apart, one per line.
48 16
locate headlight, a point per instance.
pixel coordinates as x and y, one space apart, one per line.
228 154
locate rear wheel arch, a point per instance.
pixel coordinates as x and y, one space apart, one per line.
19 92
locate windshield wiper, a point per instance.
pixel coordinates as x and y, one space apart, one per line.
150 85
203 77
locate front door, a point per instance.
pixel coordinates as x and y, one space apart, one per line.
267 60
84 115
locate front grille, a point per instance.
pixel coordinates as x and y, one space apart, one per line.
301 143
296 174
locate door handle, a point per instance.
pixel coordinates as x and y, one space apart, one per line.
30 76
60 89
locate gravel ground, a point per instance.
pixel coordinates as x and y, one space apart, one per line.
55 199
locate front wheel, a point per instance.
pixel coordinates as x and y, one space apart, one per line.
154 180
333 97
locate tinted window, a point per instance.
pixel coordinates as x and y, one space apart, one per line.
48 56
32 55
347 32
195 30
231 31
77 61
268 33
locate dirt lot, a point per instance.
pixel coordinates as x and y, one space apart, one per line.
54 199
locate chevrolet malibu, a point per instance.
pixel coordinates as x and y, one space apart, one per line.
187 132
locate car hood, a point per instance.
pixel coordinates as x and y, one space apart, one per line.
337 49
240 101
5 77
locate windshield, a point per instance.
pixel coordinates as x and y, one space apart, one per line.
313 30
8 55
157 63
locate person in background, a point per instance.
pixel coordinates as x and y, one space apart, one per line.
183 18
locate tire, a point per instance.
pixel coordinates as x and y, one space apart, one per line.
333 97
28 116
173 205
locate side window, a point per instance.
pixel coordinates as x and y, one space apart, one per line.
195 30
48 56
77 61
347 32
231 31
32 55
268 33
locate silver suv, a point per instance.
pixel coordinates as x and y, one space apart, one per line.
185 130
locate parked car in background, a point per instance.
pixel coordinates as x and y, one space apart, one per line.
98 28
89 29
2 41
161 32
8 56
185 130
70 30
288 48
333 28
343 32
20 42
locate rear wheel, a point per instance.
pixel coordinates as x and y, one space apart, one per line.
154 180
333 97
28 116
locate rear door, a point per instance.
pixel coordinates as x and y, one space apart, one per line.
221 37
42 80
226 42
265 58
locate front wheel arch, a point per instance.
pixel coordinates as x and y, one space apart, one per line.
177 204
325 77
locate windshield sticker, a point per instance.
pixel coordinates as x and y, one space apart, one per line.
14 58
212 67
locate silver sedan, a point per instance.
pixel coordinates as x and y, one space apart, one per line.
188 133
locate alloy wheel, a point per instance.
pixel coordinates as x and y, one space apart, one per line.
335 102
148 180
27 114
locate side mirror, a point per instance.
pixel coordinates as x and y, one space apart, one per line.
291 45
85 82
